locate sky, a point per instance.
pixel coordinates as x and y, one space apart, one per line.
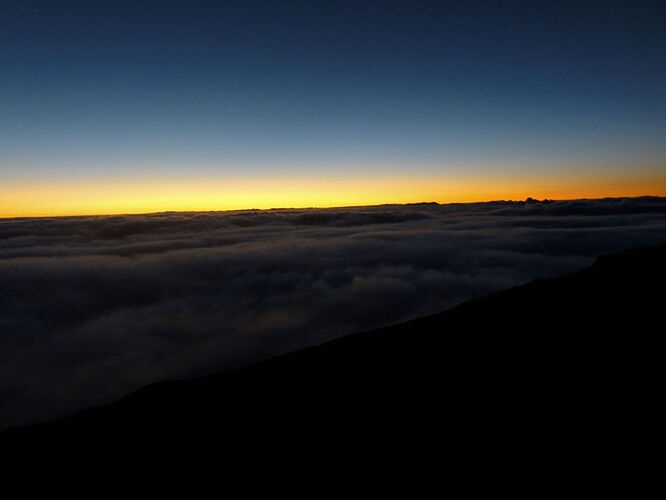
135 107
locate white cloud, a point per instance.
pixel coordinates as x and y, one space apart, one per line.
94 307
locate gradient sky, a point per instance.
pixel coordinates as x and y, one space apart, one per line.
119 107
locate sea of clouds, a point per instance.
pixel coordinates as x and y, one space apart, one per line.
92 308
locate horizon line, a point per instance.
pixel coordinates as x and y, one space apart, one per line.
329 207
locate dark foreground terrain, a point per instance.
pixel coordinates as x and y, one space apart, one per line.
552 389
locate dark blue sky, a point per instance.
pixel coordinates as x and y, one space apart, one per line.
223 89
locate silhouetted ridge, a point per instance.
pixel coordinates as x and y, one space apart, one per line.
552 389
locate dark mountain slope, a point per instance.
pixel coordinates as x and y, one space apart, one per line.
552 389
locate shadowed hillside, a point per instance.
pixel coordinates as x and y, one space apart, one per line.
552 389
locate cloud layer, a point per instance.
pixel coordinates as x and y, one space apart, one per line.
94 307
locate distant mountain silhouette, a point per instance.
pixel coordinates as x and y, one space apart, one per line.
552 389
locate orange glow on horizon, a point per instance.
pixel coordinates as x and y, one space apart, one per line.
148 196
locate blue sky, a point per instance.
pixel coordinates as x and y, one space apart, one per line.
217 90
